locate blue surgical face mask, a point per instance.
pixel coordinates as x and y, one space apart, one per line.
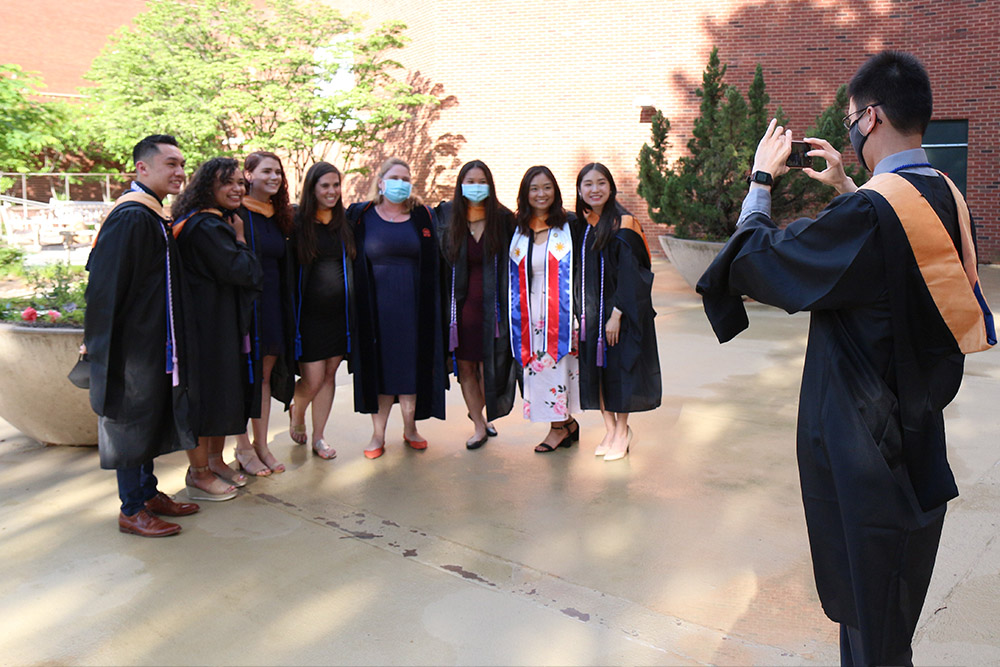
396 190
475 192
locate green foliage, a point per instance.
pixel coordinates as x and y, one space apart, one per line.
27 127
11 258
227 77
701 193
59 288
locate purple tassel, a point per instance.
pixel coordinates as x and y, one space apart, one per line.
600 352
246 344
453 336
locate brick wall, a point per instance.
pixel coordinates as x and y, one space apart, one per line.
561 82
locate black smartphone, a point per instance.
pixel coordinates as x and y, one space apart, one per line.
798 158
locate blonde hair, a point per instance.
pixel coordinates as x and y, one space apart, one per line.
375 196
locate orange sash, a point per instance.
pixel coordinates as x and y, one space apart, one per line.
952 282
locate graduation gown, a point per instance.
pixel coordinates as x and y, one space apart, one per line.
223 277
880 366
283 373
499 370
630 374
126 332
365 337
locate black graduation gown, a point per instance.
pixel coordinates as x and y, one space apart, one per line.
125 331
499 372
365 337
880 366
631 376
283 373
223 278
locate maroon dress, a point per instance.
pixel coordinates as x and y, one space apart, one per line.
470 317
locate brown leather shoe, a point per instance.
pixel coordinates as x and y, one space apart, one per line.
144 524
163 504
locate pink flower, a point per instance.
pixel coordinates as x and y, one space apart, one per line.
527 409
29 314
54 315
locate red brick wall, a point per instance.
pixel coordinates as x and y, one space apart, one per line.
561 83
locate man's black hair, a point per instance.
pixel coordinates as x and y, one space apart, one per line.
148 146
899 81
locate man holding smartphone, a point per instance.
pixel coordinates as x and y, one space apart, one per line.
888 272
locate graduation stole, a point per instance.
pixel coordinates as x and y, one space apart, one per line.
557 296
953 282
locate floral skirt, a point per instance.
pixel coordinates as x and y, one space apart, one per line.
551 390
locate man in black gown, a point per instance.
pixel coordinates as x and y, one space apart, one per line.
134 336
888 273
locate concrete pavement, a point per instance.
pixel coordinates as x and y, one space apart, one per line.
693 550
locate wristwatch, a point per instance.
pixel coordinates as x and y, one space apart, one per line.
761 177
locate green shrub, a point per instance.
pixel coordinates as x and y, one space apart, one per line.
701 193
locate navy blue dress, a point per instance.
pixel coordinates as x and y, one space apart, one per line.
393 249
269 244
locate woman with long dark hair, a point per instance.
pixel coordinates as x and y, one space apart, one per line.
619 364
541 309
398 353
324 247
267 222
223 278
475 230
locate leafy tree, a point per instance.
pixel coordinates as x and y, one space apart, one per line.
27 127
701 193
227 77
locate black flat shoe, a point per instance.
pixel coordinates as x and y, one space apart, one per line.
490 431
478 443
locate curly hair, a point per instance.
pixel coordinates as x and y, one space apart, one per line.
200 190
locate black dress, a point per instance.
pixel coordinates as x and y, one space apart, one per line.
393 249
323 314
223 278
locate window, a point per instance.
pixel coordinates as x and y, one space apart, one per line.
947 146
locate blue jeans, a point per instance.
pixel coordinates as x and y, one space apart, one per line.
136 486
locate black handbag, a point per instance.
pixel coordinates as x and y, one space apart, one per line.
80 375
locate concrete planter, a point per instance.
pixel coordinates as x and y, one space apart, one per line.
35 396
689 257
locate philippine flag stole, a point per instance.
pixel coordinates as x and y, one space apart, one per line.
557 300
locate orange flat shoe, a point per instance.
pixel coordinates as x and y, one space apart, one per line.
374 453
415 444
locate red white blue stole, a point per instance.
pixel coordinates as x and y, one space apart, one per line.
557 286
953 282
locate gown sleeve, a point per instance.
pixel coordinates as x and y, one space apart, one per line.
813 264
225 259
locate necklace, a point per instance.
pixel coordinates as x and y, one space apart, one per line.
390 218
